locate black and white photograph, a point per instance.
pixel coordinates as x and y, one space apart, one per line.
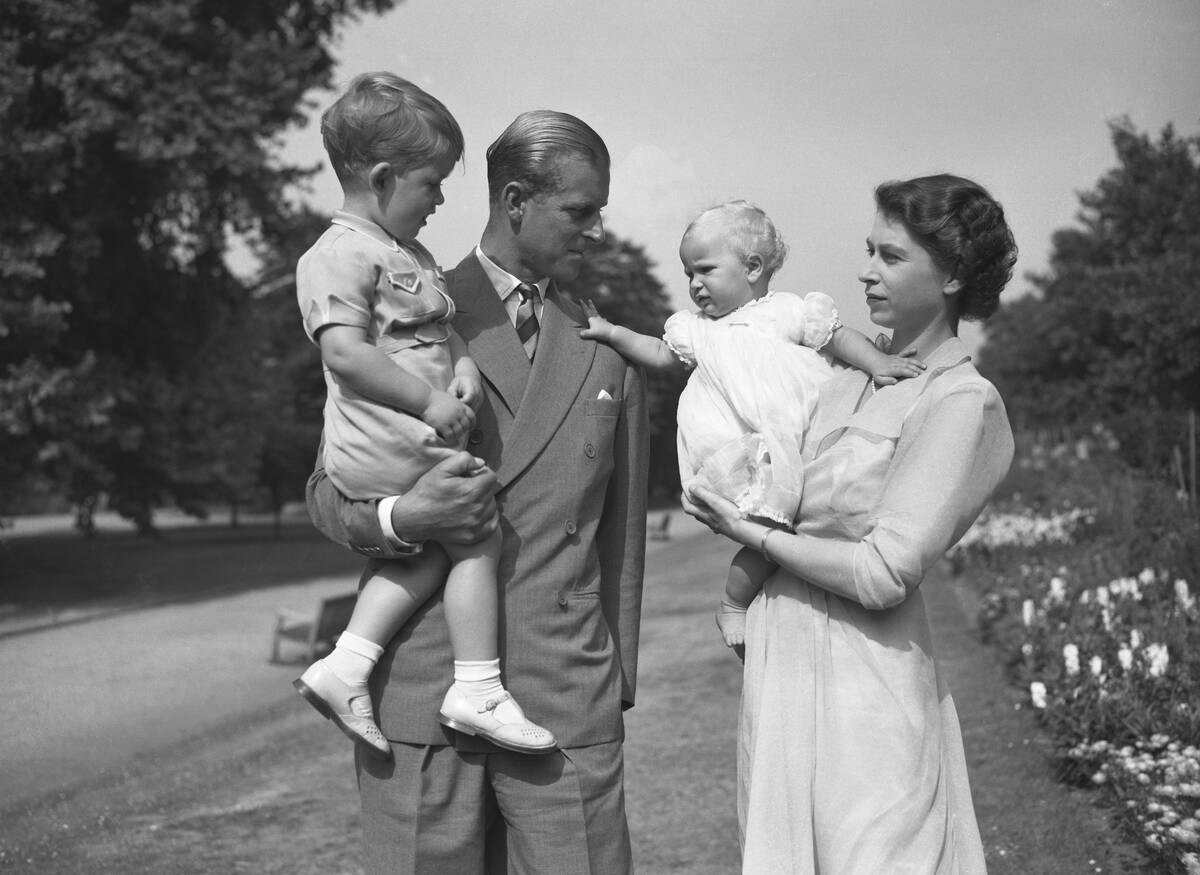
546 438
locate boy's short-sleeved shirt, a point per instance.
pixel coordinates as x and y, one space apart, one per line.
358 275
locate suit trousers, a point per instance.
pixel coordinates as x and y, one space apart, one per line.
436 810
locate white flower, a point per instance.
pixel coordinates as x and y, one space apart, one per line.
1071 658
1147 576
1159 659
1102 595
1106 618
1125 658
1135 639
1027 612
1096 664
1184 596
1037 692
1058 590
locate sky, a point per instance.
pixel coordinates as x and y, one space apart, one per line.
801 106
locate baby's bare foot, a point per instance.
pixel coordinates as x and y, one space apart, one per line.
731 620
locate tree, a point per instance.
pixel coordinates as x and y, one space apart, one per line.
293 386
619 281
1112 333
139 136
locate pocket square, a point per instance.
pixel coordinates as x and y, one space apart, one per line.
604 396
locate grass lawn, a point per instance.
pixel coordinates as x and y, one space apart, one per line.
276 794
68 571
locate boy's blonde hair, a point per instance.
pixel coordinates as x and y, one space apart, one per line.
382 117
750 232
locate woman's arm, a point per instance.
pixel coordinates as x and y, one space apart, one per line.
951 455
362 366
641 349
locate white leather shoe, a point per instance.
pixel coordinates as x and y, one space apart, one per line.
500 720
347 705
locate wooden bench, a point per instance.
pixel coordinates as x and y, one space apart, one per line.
316 631
660 531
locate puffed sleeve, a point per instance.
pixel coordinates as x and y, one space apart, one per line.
677 334
334 286
820 320
951 455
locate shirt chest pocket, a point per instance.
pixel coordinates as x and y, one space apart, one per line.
408 297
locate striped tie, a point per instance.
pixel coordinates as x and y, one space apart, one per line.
527 321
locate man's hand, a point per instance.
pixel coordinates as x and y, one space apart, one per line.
453 502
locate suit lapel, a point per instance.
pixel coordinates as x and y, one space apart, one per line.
483 323
560 366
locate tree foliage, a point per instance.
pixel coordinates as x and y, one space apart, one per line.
139 136
1112 333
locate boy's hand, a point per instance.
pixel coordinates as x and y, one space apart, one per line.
468 390
598 328
448 416
896 368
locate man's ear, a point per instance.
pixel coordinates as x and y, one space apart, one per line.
379 176
513 197
754 266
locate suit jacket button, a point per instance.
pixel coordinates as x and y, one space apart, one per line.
562 599
570 527
475 436
589 450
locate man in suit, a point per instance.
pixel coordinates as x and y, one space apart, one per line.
563 431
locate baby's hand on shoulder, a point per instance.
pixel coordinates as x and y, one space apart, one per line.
895 368
448 416
598 328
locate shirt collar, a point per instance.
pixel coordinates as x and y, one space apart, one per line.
504 282
366 226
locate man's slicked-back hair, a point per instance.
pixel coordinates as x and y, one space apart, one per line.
530 149
382 117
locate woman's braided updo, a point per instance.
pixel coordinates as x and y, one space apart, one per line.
962 227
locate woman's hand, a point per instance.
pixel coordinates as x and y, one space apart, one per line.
720 515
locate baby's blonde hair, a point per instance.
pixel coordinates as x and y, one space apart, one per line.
750 231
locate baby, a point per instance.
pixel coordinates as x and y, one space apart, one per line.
401 392
756 370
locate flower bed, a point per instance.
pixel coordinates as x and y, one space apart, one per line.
1110 657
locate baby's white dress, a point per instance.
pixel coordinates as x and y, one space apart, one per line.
745 408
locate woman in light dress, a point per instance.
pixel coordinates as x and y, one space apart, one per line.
850 757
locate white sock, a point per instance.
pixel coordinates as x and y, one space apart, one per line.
478 679
353 658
